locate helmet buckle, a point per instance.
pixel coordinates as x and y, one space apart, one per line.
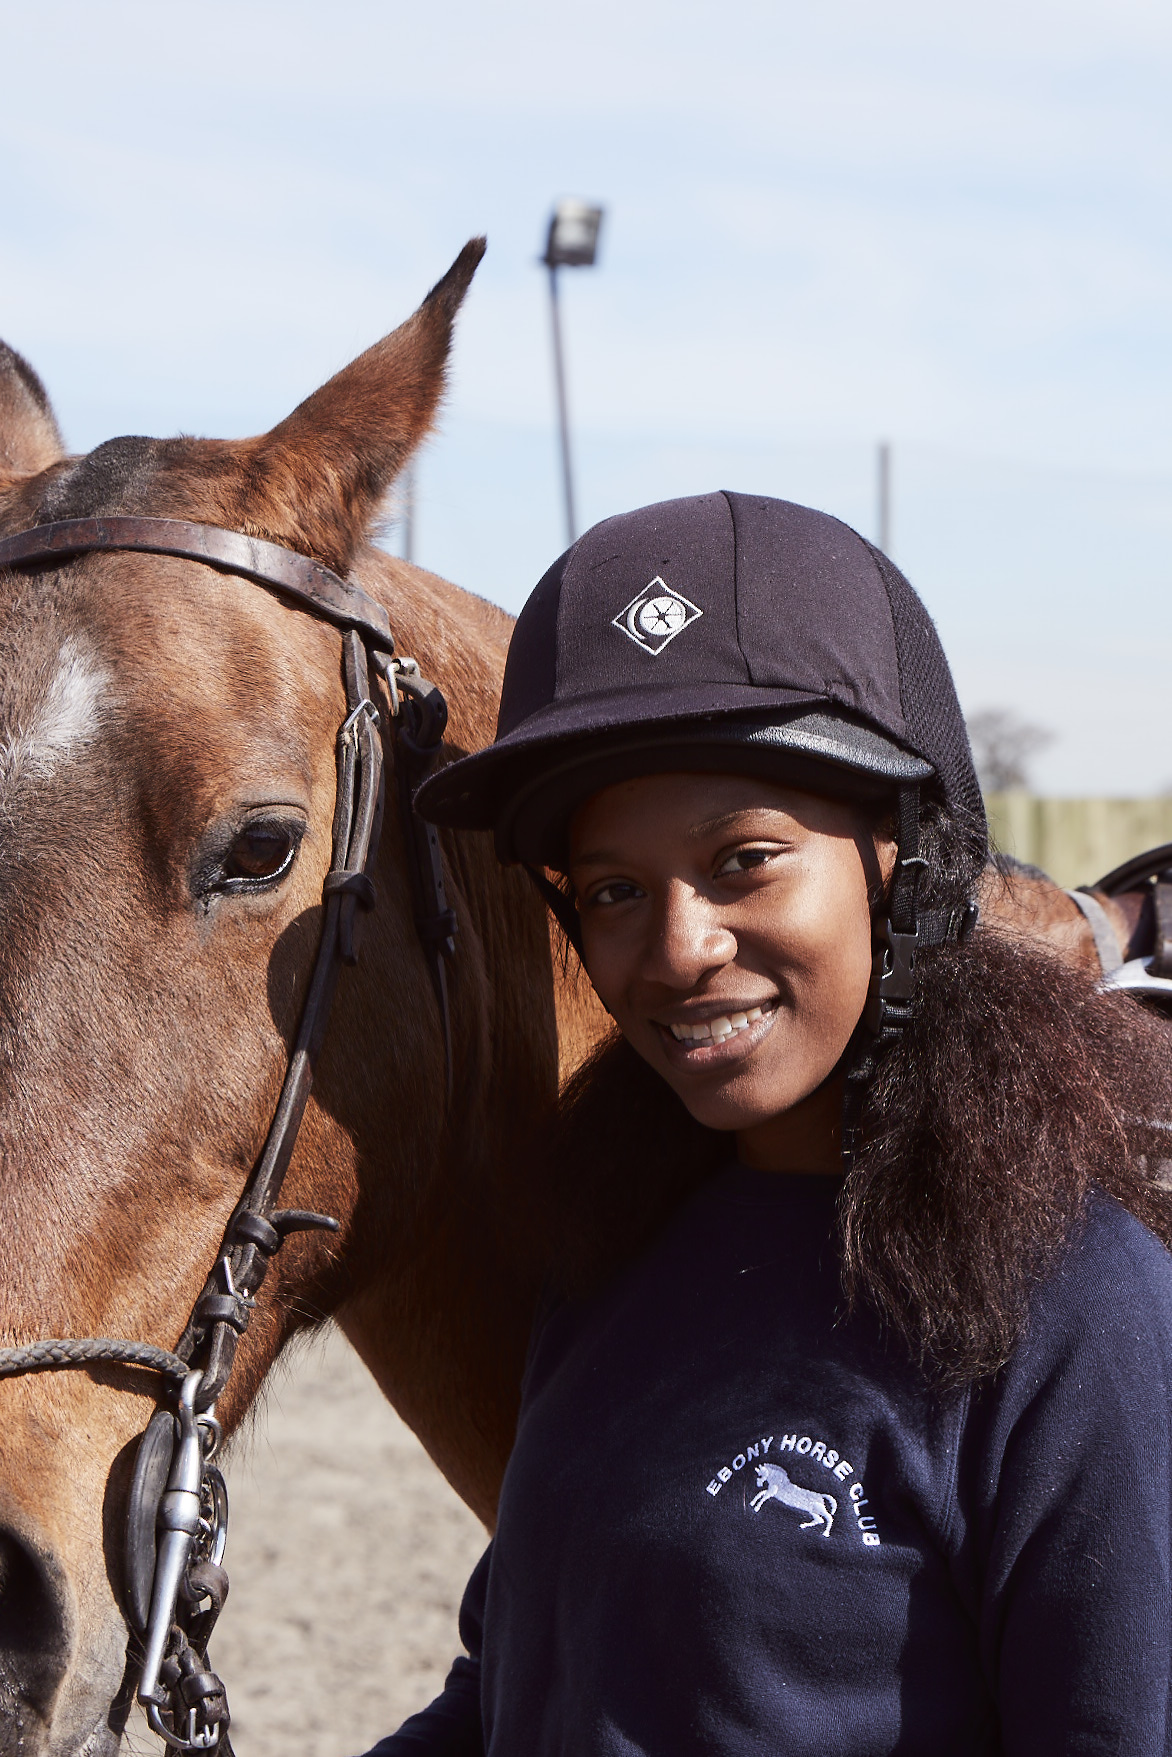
893 982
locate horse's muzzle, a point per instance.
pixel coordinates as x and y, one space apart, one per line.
35 1643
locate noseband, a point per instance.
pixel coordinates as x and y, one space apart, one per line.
178 1506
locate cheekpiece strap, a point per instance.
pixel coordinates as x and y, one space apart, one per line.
257 1228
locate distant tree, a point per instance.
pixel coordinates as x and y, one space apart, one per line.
1003 745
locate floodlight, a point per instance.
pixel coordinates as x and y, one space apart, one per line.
573 234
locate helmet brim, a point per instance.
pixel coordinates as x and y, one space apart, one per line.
526 789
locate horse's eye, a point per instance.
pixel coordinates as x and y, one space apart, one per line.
262 851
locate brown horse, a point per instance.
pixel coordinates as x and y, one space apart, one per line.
164 728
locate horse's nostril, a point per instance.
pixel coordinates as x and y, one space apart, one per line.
33 1634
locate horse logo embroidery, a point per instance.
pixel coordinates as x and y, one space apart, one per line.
777 1486
655 616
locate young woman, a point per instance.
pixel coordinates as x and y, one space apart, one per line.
847 1429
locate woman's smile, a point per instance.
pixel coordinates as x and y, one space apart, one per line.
703 1040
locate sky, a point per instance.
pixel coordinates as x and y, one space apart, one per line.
944 227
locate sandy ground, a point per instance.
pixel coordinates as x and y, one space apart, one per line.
348 1555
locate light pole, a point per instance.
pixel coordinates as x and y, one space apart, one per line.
883 485
572 243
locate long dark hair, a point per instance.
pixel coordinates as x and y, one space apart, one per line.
1016 1090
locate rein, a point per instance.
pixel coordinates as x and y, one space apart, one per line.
178 1505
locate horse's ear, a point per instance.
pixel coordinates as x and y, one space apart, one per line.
328 464
29 437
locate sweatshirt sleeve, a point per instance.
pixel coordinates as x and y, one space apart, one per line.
451 1725
1073 1500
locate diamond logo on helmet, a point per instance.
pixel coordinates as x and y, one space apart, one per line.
655 616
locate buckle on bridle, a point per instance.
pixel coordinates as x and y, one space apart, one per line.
346 729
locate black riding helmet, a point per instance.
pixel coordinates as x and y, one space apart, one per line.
731 633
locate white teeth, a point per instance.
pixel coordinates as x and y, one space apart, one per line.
718 1029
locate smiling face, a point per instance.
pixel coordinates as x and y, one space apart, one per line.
726 924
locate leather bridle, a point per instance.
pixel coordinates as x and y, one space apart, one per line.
177 1509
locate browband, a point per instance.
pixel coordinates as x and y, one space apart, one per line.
269 564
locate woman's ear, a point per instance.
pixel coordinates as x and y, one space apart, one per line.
877 846
886 851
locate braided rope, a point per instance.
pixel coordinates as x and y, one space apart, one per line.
84 1351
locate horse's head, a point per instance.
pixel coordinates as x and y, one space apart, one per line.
167 785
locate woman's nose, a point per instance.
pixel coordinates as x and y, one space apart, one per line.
688 939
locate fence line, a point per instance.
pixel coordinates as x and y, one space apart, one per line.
1076 840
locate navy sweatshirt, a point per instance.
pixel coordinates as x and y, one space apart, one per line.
736 1522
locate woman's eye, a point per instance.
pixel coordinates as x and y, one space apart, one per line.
745 860
260 853
618 892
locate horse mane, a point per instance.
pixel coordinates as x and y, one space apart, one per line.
1016 1091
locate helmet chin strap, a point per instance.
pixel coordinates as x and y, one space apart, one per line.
891 997
892 990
